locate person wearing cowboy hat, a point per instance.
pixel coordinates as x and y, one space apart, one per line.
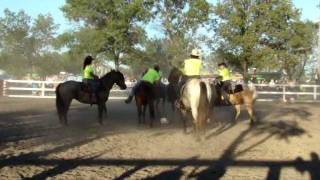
191 69
192 66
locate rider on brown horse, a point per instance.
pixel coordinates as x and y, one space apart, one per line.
151 77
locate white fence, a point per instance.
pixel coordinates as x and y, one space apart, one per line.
45 89
286 92
266 92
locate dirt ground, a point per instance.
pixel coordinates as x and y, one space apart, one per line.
284 144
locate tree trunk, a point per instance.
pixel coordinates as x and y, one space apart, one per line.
302 68
116 63
245 70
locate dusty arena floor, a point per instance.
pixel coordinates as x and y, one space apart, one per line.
285 144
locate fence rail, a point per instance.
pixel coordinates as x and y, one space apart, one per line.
43 89
266 92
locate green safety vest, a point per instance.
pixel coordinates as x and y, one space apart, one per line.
87 72
151 76
192 67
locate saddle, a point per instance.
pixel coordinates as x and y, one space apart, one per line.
233 88
85 88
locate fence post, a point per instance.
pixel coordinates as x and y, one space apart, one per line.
42 89
284 93
1 87
4 87
315 92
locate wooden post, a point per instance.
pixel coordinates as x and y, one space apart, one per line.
315 92
1 87
4 87
284 93
42 89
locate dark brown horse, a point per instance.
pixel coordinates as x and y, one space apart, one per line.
69 90
145 97
172 87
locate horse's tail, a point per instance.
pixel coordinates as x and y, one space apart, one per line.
59 102
203 110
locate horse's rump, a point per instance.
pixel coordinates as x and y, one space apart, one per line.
145 92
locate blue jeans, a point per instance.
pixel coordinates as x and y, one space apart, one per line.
134 88
92 84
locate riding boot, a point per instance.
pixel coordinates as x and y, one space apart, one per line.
128 100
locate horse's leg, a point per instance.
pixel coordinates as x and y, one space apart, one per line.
250 112
151 111
100 112
67 103
183 116
157 102
105 109
144 114
238 110
139 112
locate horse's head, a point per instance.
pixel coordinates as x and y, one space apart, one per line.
118 78
113 77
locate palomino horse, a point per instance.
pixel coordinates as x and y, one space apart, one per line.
67 91
245 97
196 97
145 96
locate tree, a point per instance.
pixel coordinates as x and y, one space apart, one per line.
14 32
180 22
264 34
22 44
114 24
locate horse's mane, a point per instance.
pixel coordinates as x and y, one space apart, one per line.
107 74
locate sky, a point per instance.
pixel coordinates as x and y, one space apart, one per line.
308 8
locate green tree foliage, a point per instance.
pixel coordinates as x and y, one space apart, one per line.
26 44
179 22
264 34
114 26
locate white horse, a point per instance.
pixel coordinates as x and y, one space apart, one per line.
196 97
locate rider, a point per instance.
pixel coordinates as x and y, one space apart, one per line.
191 69
151 76
89 77
225 75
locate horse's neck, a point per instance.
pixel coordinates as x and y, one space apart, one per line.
107 82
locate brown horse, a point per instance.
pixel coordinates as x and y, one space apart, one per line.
145 97
245 97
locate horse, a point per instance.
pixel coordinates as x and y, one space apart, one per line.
246 96
172 87
145 97
69 90
196 97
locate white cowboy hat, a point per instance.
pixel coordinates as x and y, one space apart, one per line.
196 52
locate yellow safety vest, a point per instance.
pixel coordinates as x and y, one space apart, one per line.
192 67
225 73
